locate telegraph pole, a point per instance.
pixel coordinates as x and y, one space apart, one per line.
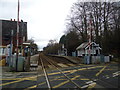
17 35
11 45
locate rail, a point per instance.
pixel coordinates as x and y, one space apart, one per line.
46 75
46 59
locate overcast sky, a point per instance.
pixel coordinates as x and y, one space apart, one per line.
45 18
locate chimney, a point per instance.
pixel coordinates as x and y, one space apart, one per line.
11 19
21 20
14 19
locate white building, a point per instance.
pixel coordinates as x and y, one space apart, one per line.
83 49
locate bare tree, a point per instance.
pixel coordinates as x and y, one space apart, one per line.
105 22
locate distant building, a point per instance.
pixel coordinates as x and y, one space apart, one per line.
32 47
6 28
83 49
62 51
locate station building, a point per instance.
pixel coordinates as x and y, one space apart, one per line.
83 49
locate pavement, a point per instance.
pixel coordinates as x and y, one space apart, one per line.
85 76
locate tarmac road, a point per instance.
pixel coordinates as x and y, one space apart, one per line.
85 76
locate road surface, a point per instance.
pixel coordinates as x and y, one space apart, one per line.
81 76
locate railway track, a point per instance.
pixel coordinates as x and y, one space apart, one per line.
70 77
44 62
48 61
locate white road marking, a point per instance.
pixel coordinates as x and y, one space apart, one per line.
89 82
95 80
117 72
115 75
85 86
107 77
92 84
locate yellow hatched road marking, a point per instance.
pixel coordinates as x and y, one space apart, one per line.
33 77
22 79
28 78
74 70
35 86
19 78
45 82
101 70
65 82
51 73
84 79
105 69
76 79
10 78
11 82
93 84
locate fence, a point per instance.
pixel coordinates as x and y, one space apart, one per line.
96 59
